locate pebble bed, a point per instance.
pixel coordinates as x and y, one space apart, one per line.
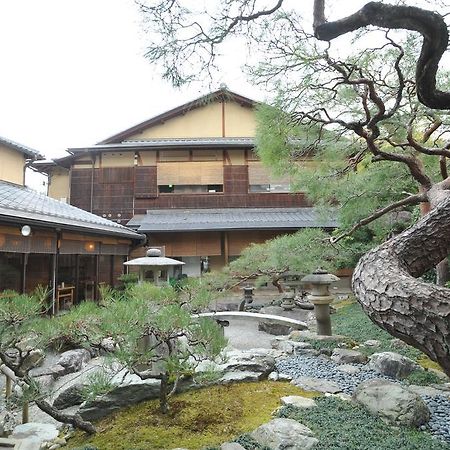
323 368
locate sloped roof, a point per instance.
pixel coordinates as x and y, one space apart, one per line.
219 95
24 205
27 151
174 143
171 220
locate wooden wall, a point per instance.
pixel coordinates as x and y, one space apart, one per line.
119 193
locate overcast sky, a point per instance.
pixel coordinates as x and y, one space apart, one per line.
72 71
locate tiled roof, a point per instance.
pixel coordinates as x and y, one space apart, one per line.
21 204
238 142
31 153
230 219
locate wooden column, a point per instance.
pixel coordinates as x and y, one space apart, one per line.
24 271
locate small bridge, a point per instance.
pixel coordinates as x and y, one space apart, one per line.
271 318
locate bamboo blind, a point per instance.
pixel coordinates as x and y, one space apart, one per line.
258 174
193 173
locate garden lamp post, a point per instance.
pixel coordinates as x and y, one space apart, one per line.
321 298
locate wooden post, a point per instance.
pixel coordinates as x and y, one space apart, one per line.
25 412
226 248
24 272
8 387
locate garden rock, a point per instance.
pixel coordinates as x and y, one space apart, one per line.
231 446
132 391
73 360
38 432
394 403
277 376
392 364
316 385
7 423
283 345
398 343
54 371
71 396
34 359
298 401
372 343
310 336
255 360
430 391
349 369
235 377
283 434
277 329
345 356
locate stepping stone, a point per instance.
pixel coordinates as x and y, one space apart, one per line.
298 401
316 384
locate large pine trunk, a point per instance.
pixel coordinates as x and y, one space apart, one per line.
385 283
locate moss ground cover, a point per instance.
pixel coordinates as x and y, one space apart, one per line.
198 419
340 425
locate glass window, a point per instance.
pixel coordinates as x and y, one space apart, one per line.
269 188
190 188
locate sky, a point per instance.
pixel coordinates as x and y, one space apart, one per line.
72 72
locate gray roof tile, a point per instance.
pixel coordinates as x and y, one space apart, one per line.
20 203
31 153
230 219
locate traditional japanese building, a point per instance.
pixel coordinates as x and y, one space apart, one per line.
49 242
189 180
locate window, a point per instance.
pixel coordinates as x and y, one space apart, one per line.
190 188
166 189
269 188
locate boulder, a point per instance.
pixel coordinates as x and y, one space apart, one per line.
392 402
298 401
281 434
73 360
255 360
392 364
316 385
346 356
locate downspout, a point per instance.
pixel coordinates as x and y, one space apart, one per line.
92 182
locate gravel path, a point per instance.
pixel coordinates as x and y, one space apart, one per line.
323 368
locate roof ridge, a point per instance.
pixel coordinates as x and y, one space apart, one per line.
197 102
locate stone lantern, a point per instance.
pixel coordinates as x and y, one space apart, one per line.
155 262
321 298
248 297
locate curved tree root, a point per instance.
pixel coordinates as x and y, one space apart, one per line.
385 283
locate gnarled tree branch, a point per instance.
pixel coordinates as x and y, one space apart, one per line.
430 25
